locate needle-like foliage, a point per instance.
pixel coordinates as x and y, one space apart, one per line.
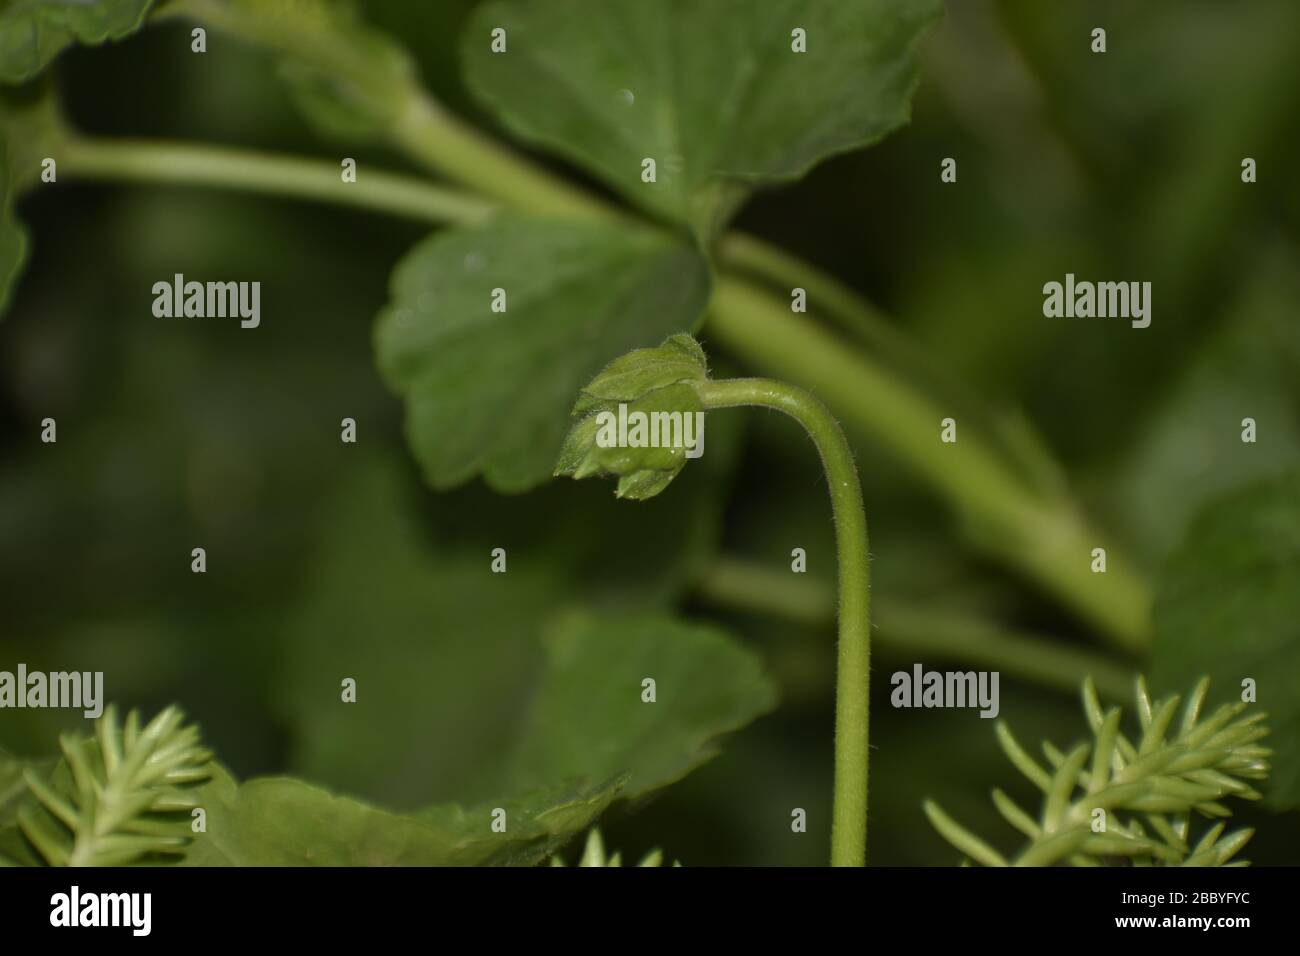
119 796
593 854
1112 799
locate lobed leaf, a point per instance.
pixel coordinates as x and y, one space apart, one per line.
590 718
489 391
34 32
281 821
714 93
590 739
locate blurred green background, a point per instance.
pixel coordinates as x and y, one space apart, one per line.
324 556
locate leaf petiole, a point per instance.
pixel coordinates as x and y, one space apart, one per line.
152 162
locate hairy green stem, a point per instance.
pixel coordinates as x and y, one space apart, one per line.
853 657
1046 539
213 166
905 627
743 254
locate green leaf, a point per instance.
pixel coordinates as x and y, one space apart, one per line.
280 821
403 599
1190 450
345 77
13 237
350 80
1228 605
30 130
34 32
591 737
489 391
712 91
591 718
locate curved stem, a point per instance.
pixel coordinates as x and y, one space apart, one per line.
830 298
214 166
1044 537
852 669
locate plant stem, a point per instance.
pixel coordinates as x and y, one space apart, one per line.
418 124
743 254
445 144
203 165
907 627
853 664
1045 538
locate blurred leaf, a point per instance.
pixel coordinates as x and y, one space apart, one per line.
589 738
712 92
13 237
279 821
352 100
34 32
1228 605
590 718
406 603
440 647
29 127
489 391
432 33
1190 450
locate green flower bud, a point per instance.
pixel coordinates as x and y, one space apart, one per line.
640 419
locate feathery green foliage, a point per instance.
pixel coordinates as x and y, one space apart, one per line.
119 796
1162 779
593 854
